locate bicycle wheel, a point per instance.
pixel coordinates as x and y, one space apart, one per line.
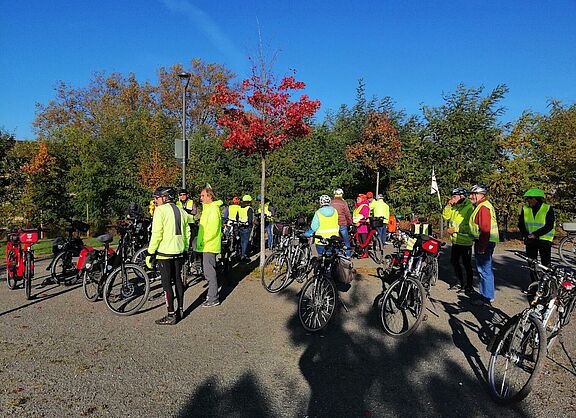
11 269
28 276
62 267
126 289
516 359
375 250
567 250
403 307
275 273
317 303
91 284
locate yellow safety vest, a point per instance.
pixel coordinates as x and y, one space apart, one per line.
534 223
328 225
475 230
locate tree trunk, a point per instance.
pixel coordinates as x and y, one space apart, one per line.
262 215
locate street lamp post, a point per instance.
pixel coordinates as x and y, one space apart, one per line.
184 77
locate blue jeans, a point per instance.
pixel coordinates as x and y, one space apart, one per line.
346 239
382 231
244 240
484 266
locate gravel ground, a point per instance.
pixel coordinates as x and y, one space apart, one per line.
61 355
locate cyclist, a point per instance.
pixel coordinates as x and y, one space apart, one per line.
380 209
269 213
537 226
231 212
484 230
246 217
168 244
325 222
344 217
360 218
457 212
209 242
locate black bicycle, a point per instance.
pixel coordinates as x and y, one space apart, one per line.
518 350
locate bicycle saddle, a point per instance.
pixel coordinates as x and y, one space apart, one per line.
105 239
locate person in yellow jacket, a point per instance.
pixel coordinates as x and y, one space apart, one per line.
457 213
209 241
168 244
325 222
537 226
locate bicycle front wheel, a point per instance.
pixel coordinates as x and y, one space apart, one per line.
275 273
403 307
62 267
317 303
126 289
375 250
517 358
567 250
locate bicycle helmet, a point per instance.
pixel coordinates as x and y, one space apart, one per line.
534 192
246 198
459 191
339 192
235 200
325 200
479 188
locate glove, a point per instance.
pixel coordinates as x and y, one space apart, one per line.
150 259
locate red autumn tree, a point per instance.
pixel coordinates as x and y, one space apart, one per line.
379 147
260 117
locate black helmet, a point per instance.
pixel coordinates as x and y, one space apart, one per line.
169 192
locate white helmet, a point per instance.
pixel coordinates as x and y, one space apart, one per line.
325 200
338 192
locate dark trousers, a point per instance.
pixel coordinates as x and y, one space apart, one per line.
171 272
535 247
462 254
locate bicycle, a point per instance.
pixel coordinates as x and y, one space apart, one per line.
403 303
518 350
319 300
62 268
289 261
375 248
124 286
567 245
20 258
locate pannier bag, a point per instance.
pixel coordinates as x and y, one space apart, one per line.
344 271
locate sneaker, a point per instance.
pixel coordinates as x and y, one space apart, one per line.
167 320
208 304
455 288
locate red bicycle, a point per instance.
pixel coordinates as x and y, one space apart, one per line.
20 258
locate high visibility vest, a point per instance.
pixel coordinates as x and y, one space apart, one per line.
534 223
475 230
381 210
233 212
458 217
243 214
356 215
421 229
267 212
328 225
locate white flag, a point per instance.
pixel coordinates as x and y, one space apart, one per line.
434 186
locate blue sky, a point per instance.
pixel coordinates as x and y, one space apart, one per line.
411 50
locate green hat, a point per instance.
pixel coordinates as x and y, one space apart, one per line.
534 192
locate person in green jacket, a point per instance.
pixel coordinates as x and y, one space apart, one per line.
168 244
457 212
208 242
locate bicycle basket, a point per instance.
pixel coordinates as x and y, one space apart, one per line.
376 222
431 246
344 271
29 237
